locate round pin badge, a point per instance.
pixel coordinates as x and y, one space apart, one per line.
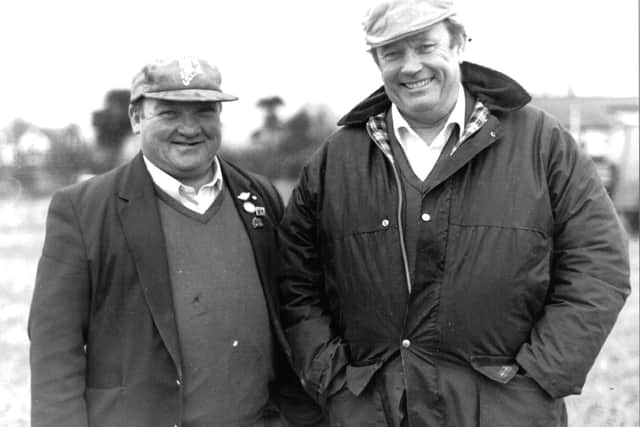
249 207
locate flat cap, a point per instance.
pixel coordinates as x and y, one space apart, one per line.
391 20
179 79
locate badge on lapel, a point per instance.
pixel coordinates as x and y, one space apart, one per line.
250 207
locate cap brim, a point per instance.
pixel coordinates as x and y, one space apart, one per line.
191 95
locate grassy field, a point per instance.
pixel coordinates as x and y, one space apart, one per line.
609 399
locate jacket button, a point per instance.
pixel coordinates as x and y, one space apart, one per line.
425 217
406 343
178 383
385 222
493 134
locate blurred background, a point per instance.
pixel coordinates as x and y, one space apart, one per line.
297 67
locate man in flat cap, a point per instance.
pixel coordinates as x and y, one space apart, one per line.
451 257
155 301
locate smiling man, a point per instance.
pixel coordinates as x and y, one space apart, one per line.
155 301
451 257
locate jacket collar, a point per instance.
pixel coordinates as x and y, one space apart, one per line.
497 91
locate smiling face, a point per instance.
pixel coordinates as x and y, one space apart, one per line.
181 138
421 75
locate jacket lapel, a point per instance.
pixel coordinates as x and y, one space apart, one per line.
262 236
448 165
143 231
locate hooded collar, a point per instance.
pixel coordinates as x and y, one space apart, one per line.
497 91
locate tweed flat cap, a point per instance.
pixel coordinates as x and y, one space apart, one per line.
391 20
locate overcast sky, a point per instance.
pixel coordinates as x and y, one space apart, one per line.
60 57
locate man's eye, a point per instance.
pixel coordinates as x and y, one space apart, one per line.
390 55
426 47
167 113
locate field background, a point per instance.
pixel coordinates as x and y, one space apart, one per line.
609 399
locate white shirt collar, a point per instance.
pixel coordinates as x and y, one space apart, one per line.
456 117
175 188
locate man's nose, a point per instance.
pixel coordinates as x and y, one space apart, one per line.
189 125
412 63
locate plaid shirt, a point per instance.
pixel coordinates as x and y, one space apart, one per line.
377 128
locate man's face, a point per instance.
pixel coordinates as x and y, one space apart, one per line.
181 138
421 74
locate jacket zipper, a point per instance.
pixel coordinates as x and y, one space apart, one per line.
403 248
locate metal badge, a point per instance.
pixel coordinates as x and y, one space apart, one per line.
244 196
249 207
260 211
257 222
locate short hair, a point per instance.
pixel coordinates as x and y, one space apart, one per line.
137 106
457 32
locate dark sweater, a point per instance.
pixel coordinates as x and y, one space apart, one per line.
222 318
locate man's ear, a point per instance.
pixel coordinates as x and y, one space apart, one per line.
461 46
135 118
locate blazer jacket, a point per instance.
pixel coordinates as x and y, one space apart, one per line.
104 344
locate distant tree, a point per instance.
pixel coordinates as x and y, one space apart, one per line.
112 128
270 107
304 132
279 149
69 155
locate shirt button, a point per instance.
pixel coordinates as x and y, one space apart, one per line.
425 217
385 222
406 343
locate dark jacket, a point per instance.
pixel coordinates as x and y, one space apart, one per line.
104 345
525 271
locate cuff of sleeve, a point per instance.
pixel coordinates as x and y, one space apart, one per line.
548 381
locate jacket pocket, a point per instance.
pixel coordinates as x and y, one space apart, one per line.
497 368
104 406
358 377
508 399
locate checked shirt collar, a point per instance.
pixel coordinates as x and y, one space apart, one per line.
377 128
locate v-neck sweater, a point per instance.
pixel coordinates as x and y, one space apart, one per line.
221 314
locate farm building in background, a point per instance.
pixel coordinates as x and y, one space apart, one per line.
607 128
36 160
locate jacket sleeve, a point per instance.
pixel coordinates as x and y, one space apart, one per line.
58 323
589 271
319 355
294 405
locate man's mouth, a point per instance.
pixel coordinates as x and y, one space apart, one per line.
187 143
420 84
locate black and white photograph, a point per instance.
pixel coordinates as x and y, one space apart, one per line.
280 213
